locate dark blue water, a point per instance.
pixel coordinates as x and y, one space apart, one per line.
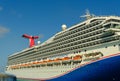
25 80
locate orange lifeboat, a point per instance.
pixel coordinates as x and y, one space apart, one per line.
14 67
23 65
29 63
35 62
39 62
66 58
77 57
57 60
48 61
44 61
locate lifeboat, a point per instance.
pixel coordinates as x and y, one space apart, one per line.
43 62
23 65
92 56
87 55
29 63
39 62
77 57
66 59
14 67
35 62
57 60
49 61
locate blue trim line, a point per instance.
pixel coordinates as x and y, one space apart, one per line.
107 69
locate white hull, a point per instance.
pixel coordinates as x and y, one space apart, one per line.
47 72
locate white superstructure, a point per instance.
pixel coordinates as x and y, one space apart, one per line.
92 39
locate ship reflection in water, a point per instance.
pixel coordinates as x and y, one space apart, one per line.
7 77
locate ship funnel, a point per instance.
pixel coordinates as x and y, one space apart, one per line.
64 27
31 39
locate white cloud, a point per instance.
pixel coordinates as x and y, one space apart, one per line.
3 31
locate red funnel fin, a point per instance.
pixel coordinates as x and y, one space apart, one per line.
31 39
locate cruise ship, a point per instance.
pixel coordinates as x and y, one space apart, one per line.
87 51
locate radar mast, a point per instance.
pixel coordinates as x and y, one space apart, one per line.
88 15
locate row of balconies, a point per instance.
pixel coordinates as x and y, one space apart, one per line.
22 53
78 28
53 44
71 39
113 20
71 42
79 32
78 46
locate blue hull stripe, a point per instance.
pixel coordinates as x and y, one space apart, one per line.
103 70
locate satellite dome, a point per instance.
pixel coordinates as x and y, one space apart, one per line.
64 27
38 42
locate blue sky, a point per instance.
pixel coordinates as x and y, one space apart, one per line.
43 17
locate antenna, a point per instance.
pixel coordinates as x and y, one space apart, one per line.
31 39
88 15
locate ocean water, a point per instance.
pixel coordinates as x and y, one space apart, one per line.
10 77
26 80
